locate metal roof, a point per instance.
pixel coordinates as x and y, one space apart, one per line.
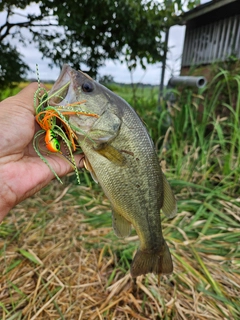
205 8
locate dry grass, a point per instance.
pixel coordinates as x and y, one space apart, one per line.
60 260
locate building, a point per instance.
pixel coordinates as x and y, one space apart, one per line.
212 34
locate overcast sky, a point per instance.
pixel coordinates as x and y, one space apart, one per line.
119 71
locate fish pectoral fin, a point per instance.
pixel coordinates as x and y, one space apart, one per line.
121 226
169 207
88 166
112 154
158 262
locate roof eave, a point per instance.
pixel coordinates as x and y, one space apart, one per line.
203 9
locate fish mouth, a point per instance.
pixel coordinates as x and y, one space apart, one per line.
63 90
67 93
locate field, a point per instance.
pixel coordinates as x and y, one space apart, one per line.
61 260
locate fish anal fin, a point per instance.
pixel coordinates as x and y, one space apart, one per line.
151 261
112 154
121 226
169 207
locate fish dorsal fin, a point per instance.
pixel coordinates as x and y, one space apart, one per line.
112 154
169 207
121 226
88 166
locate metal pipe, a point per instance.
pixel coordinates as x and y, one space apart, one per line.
198 82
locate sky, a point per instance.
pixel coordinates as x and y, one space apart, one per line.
119 71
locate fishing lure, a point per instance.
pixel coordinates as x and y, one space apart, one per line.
47 120
55 126
51 141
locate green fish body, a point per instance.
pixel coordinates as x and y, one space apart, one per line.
121 156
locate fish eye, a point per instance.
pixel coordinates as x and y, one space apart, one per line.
87 86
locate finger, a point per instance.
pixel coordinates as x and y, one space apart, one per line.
59 165
79 160
23 179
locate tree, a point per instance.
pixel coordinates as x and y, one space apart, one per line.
12 68
88 32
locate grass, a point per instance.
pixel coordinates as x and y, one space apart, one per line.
16 88
59 258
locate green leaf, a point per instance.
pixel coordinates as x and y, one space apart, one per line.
29 256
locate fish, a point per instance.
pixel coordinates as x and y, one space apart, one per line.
121 157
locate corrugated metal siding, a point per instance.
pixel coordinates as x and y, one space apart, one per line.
212 42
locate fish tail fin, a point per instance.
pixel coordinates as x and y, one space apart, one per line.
158 262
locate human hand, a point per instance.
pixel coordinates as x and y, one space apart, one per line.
22 172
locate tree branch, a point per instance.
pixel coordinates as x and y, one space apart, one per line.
25 24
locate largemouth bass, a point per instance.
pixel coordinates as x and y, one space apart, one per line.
121 156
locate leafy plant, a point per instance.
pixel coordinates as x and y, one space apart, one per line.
86 33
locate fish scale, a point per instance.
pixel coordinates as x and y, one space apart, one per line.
121 156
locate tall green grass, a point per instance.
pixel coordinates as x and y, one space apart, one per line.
203 143
198 135
212 129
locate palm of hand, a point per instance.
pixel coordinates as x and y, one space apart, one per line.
22 172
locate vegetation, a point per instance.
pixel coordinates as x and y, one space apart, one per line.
61 260
85 33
